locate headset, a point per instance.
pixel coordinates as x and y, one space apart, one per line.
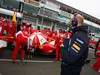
74 21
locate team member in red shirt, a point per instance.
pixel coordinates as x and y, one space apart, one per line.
21 41
1 26
58 44
96 66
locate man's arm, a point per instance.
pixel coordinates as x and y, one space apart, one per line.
76 50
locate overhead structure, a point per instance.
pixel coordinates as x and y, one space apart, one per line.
73 10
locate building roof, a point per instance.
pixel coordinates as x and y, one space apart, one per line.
54 1
72 10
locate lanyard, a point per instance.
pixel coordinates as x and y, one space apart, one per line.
69 44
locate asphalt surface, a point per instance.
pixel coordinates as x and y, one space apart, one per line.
7 68
40 68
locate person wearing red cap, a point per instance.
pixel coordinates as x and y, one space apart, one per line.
27 27
58 43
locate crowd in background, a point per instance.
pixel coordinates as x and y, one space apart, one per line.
8 30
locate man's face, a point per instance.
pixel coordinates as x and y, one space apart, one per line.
74 22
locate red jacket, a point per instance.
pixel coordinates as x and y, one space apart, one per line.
98 49
1 27
22 36
68 35
13 29
7 26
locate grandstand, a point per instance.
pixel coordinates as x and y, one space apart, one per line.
46 13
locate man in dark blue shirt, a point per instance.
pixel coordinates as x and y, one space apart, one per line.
76 48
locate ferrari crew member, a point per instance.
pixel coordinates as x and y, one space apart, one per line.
1 26
96 66
21 41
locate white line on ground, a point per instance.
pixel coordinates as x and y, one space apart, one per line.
32 61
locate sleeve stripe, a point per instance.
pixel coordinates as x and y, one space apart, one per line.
77 43
76 47
75 50
80 41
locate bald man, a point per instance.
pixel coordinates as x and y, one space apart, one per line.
76 48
